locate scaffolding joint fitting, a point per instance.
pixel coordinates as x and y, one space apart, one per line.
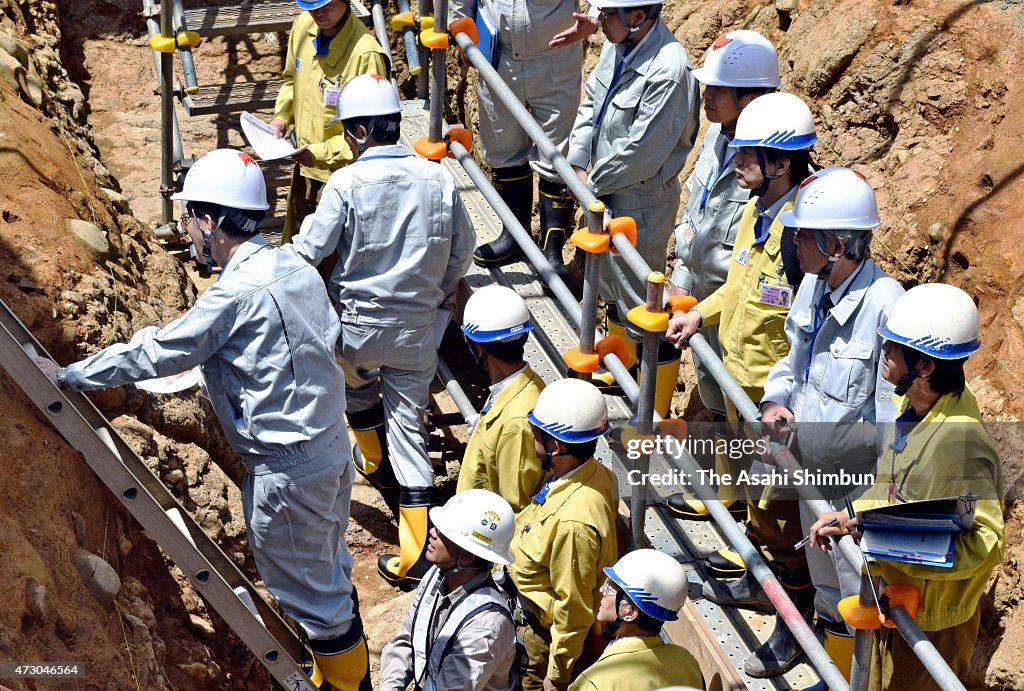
169 44
408 20
588 363
459 134
868 618
680 303
594 243
623 225
653 321
442 40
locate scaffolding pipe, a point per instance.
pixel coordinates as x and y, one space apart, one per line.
860 669
153 29
166 117
438 77
591 280
422 79
380 30
188 65
412 51
458 395
645 408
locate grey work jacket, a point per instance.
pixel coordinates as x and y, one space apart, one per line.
403 237
843 384
480 658
263 336
649 125
526 31
705 238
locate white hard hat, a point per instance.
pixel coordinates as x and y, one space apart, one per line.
365 96
623 4
480 522
936 319
776 121
495 313
740 59
227 177
834 199
571 410
654 581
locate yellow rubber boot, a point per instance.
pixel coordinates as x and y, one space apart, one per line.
406 568
371 450
665 380
347 670
370 453
839 646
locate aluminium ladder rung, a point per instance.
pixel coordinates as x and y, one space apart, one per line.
212 573
252 18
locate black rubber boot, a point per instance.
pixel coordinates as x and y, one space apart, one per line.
555 223
515 185
743 592
781 652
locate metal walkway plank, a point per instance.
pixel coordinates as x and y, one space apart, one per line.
252 18
233 97
213 574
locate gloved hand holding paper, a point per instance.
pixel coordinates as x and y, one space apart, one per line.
267 146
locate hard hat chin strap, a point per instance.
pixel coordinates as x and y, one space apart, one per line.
651 17
907 380
458 568
762 188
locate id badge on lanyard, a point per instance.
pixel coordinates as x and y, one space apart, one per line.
778 294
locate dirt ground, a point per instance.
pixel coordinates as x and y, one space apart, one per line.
922 97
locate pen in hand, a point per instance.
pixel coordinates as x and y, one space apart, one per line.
803 543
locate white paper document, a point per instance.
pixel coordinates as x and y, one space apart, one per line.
172 384
262 140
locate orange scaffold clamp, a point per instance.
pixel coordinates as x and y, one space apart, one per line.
588 363
441 40
866 617
650 320
599 243
435 151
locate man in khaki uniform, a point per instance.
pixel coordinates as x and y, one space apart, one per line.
565 536
327 46
500 456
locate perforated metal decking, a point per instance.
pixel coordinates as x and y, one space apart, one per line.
737 632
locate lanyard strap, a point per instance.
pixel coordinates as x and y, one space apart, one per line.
608 95
709 185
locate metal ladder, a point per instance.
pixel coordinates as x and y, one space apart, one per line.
214 576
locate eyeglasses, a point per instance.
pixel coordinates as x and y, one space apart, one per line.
801 234
183 221
608 589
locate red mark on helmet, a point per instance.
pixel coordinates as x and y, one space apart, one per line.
721 43
808 180
246 158
860 175
378 77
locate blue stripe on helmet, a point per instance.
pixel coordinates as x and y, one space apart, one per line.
933 346
310 5
475 333
788 141
564 433
643 599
